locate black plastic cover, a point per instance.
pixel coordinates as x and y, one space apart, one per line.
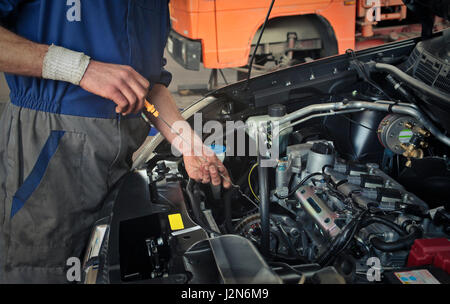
229 259
277 110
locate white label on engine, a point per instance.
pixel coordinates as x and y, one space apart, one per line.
421 276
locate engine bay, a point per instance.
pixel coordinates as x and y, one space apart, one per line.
361 173
324 211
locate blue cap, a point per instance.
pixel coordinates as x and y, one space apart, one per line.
218 149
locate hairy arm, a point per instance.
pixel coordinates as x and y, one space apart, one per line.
19 55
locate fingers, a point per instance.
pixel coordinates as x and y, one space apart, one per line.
120 100
214 174
141 94
211 173
140 87
226 177
220 171
135 88
131 98
119 83
209 170
206 179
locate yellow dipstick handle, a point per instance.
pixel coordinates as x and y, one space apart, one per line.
151 108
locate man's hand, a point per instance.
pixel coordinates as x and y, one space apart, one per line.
119 83
203 166
207 172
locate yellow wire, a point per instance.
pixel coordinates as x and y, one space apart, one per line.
250 183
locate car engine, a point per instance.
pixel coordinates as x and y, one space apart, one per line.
324 210
344 180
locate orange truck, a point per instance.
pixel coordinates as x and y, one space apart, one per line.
222 33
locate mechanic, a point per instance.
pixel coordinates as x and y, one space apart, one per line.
79 73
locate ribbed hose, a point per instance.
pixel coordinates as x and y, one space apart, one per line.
417 84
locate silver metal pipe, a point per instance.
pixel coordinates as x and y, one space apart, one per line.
383 106
318 115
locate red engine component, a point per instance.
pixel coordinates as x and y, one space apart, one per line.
430 251
442 260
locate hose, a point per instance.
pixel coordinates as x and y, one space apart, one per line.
417 84
341 242
404 242
362 72
194 203
227 201
379 220
301 183
264 208
196 209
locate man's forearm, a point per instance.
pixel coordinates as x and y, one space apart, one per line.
19 55
165 104
200 162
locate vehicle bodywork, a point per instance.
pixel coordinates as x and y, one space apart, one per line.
220 33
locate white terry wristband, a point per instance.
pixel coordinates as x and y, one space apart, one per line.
65 65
